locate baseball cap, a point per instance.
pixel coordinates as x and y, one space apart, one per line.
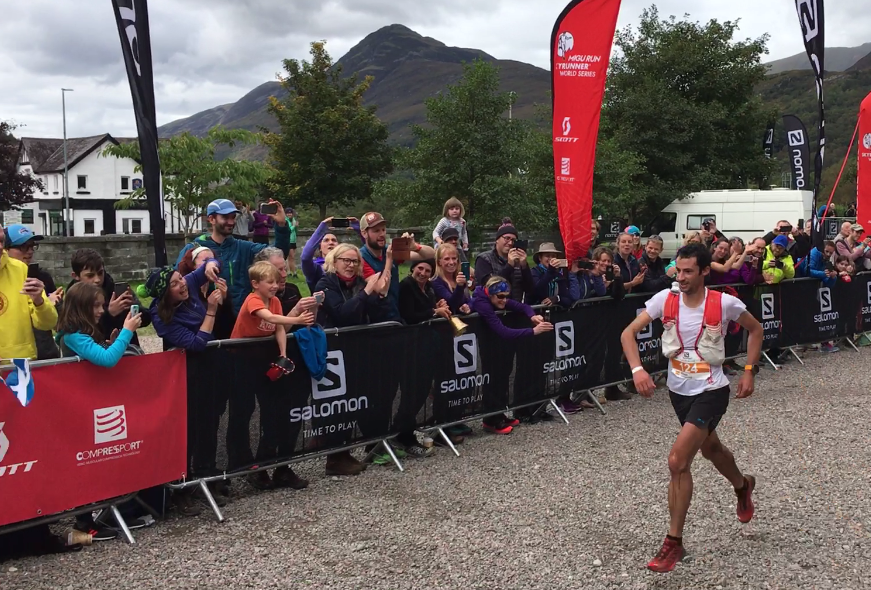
371 219
450 233
17 235
857 227
781 241
632 231
221 207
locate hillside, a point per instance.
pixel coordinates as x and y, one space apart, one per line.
407 68
838 59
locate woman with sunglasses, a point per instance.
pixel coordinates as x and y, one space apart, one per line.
489 299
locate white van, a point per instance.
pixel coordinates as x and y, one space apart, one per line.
741 213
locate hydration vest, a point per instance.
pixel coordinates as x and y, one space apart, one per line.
710 344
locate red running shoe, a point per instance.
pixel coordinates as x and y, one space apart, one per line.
667 558
500 428
745 501
510 421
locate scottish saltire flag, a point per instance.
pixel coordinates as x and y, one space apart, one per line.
20 381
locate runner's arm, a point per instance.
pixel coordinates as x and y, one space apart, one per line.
630 348
754 340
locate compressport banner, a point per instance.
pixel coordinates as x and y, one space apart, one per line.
798 150
768 140
812 20
132 19
863 185
580 51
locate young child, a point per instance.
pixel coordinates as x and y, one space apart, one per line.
453 212
845 268
78 327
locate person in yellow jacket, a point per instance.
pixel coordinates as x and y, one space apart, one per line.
23 307
777 264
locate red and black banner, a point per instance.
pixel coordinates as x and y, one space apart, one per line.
863 184
90 434
580 53
132 19
798 151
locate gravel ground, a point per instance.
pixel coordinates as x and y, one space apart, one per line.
551 506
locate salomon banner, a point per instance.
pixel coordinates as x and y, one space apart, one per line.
90 434
131 16
798 150
863 183
768 140
811 16
580 52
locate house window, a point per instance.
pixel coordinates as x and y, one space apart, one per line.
27 216
55 183
82 183
125 183
89 225
135 226
694 222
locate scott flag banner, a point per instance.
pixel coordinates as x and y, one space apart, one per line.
91 434
131 17
812 20
863 184
798 150
580 53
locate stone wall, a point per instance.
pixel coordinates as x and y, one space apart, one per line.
130 257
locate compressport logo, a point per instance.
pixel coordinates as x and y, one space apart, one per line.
565 349
824 294
333 385
110 424
465 363
14 468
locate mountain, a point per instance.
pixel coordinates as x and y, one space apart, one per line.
838 59
407 68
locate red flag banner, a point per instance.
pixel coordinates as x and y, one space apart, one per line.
580 51
863 184
90 434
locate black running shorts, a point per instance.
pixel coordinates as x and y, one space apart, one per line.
704 410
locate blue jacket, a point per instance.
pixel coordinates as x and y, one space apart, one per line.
549 284
184 329
591 286
235 257
84 347
814 265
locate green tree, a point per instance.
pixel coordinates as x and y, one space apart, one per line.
471 150
681 97
330 149
192 177
15 188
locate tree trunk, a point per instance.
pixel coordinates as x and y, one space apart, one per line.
323 210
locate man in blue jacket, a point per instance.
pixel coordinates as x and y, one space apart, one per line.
235 255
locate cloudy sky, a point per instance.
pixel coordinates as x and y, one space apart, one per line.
211 52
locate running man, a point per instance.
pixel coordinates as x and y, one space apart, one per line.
695 322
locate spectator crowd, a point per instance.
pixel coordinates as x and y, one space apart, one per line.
232 283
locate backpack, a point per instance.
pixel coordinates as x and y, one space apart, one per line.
710 344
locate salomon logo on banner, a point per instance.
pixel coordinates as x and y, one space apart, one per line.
466 354
647 332
334 383
110 424
767 306
565 338
20 381
825 299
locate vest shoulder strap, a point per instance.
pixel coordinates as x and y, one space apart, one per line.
672 308
713 308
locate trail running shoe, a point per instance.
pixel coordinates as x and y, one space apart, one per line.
506 421
461 429
570 407
667 558
498 428
745 500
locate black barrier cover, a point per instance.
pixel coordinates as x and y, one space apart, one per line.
384 380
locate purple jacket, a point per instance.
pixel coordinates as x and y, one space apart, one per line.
482 306
455 299
262 223
745 274
184 329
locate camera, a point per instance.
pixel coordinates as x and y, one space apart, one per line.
707 225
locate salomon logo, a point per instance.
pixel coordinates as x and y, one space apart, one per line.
333 384
466 354
565 338
768 306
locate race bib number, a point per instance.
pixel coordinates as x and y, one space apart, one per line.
688 365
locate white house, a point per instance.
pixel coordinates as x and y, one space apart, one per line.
96 183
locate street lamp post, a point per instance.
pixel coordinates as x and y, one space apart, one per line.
63 97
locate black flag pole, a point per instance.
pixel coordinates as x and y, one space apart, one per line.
811 16
131 17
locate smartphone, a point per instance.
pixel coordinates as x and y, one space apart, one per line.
801 224
340 222
786 229
778 264
562 263
585 264
521 244
134 309
830 267
121 288
319 297
32 270
465 269
609 274
268 208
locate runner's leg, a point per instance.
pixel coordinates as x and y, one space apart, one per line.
680 488
716 452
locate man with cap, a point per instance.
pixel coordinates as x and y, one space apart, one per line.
855 248
506 261
452 236
555 283
378 257
235 255
21 243
798 242
777 264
